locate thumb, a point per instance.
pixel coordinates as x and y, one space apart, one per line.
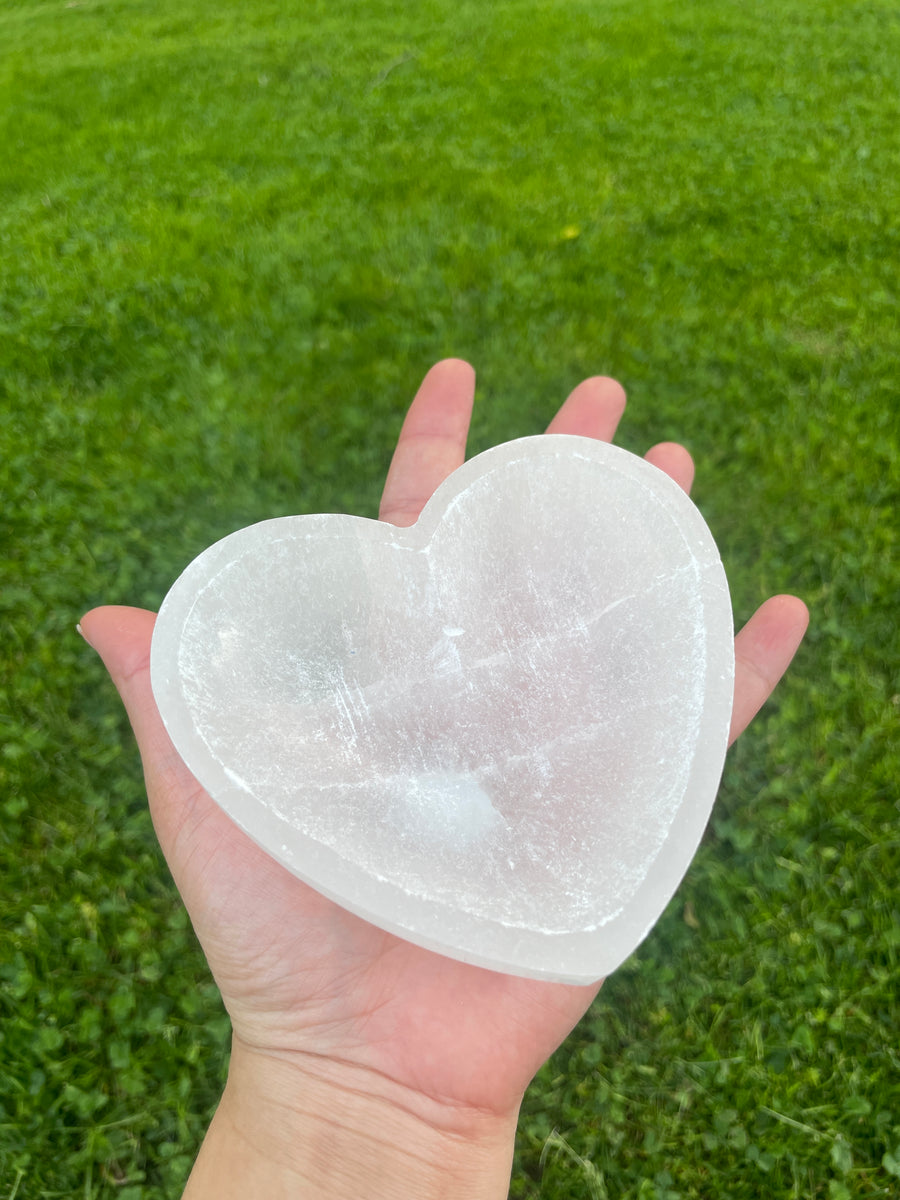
122 636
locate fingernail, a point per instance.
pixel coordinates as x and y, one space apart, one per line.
83 634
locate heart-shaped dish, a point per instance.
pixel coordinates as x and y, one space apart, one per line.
498 733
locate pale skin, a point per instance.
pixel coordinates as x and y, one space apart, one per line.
362 1065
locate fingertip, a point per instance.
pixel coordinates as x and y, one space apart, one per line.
458 368
783 619
122 637
605 390
604 386
611 388
792 607
109 623
593 409
92 623
675 461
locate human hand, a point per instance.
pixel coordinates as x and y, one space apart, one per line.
359 1058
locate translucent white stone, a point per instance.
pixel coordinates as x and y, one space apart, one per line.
498 733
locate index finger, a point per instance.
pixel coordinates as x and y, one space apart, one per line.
432 442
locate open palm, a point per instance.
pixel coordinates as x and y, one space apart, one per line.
303 980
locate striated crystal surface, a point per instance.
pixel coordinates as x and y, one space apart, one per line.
498 733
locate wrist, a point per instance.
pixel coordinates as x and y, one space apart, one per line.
316 1128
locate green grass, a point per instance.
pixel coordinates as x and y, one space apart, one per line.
232 238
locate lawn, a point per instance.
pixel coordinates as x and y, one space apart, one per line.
232 239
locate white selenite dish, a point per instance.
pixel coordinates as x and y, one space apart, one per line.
497 733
